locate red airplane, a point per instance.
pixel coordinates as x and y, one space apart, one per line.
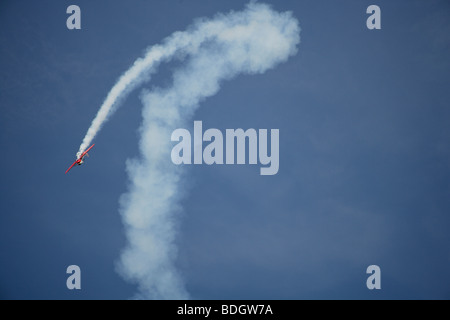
80 159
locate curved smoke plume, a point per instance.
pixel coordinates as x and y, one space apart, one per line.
212 50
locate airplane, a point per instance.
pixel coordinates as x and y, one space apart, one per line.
80 161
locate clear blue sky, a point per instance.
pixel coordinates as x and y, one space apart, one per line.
364 154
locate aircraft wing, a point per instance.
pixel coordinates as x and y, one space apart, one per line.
71 166
85 153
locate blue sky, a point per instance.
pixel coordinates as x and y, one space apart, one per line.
364 154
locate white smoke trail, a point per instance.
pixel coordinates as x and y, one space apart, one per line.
246 42
178 43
